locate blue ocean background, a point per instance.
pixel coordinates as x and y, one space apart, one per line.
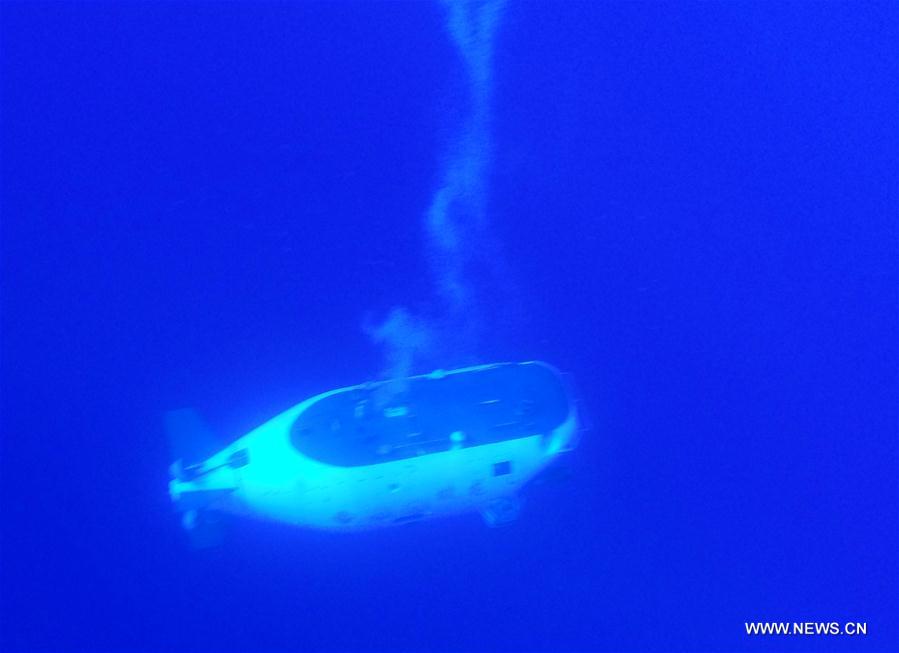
695 207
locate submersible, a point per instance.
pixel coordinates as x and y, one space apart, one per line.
384 453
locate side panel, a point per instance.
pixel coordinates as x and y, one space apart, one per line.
428 486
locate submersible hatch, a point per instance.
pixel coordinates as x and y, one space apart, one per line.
384 453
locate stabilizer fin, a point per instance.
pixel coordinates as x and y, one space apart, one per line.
190 439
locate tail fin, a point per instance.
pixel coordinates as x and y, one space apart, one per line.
192 443
190 439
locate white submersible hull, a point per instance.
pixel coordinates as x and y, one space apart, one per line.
385 453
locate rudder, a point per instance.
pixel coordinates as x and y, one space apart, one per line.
190 439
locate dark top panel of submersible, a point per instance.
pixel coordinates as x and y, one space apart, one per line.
404 418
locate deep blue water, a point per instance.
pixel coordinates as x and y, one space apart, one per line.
695 204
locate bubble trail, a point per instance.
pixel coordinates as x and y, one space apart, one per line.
456 219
